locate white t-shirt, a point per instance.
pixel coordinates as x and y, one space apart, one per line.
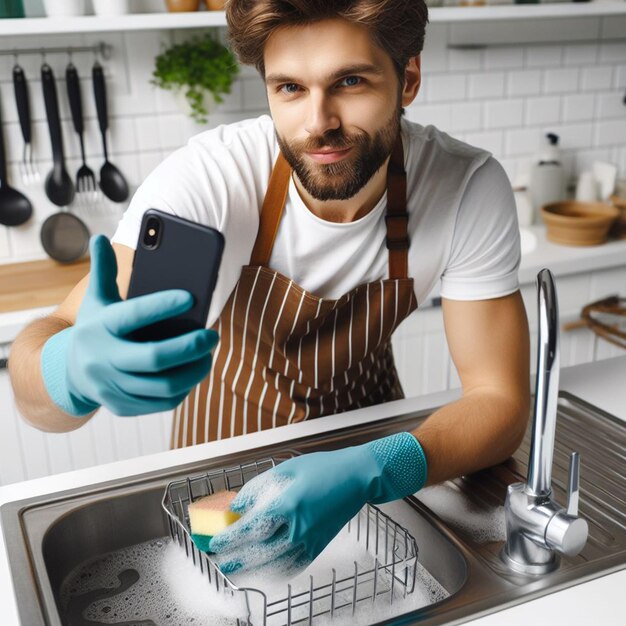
462 220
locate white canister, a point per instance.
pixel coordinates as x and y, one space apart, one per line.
64 8
587 187
547 175
111 7
525 212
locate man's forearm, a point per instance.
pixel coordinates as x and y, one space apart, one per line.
480 429
31 397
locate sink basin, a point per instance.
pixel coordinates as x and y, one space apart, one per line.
49 537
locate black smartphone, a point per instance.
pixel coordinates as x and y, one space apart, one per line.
175 253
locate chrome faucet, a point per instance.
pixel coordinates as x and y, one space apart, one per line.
537 528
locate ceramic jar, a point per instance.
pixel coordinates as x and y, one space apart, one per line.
177 6
64 8
111 7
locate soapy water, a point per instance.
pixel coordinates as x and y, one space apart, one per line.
341 555
482 523
169 590
155 583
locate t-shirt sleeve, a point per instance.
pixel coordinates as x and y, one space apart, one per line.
485 253
177 185
216 179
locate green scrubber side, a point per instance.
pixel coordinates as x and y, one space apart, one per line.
202 542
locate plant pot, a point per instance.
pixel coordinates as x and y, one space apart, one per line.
179 6
111 7
214 5
11 9
208 101
64 8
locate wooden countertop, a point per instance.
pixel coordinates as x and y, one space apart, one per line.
38 283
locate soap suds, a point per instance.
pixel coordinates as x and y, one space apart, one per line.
172 591
169 591
163 586
482 523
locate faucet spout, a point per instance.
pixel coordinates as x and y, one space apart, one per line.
538 530
546 388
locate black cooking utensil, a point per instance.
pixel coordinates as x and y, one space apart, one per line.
64 237
59 186
29 171
15 207
85 178
112 181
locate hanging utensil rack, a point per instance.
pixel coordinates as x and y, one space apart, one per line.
101 48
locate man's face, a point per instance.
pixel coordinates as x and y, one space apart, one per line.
335 99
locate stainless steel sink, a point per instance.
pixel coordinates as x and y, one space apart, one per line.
47 537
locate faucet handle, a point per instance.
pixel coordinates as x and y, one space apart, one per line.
573 488
566 532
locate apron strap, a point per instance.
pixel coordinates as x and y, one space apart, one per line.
271 212
396 218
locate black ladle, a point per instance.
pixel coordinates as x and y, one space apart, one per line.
112 181
15 207
59 186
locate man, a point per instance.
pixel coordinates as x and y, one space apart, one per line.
363 214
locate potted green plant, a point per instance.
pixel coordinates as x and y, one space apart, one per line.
201 69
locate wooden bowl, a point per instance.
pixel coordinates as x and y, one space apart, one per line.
574 223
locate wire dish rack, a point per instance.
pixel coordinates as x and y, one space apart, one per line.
388 574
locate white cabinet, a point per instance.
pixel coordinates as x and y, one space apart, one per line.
421 352
26 452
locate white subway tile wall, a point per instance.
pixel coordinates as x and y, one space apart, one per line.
543 110
502 98
577 108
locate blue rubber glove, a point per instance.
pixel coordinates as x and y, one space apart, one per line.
291 512
93 364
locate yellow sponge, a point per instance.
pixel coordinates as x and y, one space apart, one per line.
211 514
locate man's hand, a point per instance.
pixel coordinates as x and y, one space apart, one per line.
93 362
293 511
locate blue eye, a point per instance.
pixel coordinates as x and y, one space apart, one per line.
289 88
351 81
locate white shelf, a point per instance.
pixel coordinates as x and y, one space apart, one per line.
527 11
204 19
102 24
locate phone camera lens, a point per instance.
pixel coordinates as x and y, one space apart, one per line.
152 233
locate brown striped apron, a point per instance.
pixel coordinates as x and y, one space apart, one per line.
286 355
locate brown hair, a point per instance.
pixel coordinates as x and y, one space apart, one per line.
396 26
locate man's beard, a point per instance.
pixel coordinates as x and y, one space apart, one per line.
345 178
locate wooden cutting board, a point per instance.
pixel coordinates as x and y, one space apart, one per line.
38 283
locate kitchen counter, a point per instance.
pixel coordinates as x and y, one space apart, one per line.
565 260
34 289
600 383
38 283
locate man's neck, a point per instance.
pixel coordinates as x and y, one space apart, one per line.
344 211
